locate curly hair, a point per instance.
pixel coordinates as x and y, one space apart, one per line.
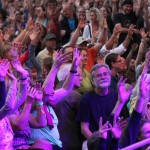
99 17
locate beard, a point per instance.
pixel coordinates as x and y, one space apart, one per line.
103 84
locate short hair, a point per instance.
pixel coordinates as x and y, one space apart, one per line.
64 48
48 62
97 66
111 57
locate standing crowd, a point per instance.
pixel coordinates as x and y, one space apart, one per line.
74 74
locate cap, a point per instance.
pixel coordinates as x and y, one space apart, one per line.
130 2
81 40
50 36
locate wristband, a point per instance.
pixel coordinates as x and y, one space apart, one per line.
39 104
73 71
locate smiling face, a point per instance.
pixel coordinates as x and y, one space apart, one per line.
101 77
78 80
93 17
127 8
84 54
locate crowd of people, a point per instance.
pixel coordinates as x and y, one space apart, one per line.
74 74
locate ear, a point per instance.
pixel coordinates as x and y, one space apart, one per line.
112 64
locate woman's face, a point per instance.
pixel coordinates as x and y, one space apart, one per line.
145 131
93 17
104 12
85 57
40 12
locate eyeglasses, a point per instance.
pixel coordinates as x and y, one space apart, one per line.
104 74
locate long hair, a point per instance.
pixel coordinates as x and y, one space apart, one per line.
99 17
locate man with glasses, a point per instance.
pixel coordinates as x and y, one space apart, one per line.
97 103
116 64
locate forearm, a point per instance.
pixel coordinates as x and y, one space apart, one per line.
109 44
103 37
140 53
129 56
10 102
21 36
86 133
74 37
22 94
139 105
48 84
22 120
33 59
117 109
127 41
40 117
114 8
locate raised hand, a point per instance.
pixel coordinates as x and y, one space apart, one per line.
131 30
117 29
143 33
33 35
118 127
18 67
81 23
144 86
103 129
11 76
31 94
29 25
39 92
76 58
60 58
123 92
4 67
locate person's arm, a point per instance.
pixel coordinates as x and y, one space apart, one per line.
48 84
129 36
77 33
133 49
4 66
38 121
141 47
22 92
19 122
130 133
114 4
138 9
117 30
23 36
10 102
33 37
69 82
85 130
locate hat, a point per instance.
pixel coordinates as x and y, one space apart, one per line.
125 2
81 40
50 36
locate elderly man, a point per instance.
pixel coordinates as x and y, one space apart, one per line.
97 103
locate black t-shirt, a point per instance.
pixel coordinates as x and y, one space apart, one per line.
93 106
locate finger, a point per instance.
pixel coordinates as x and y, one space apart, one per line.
100 122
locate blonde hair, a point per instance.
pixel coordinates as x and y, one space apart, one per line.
99 17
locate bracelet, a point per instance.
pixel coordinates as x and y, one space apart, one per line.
39 104
73 71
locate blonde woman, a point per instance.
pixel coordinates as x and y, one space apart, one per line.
95 26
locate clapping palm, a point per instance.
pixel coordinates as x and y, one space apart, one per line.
118 126
124 93
4 66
